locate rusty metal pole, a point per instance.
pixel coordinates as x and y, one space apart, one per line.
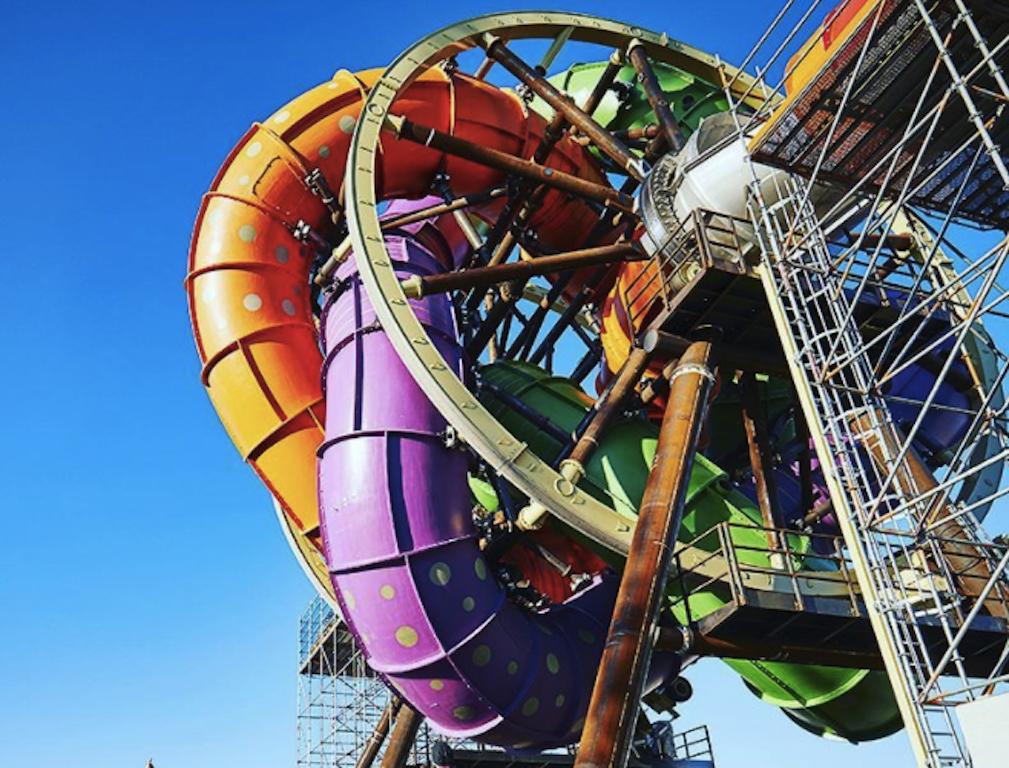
377 738
913 477
670 126
497 50
403 734
502 161
607 409
613 708
757 440
572 469
482 277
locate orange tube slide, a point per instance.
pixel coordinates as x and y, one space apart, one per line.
248 275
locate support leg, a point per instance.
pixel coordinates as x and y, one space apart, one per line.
403 734
376 739
613 707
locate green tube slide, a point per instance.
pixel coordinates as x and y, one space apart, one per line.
855 705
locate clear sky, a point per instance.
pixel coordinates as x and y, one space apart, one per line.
148 600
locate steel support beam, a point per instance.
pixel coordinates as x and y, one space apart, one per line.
375 741
481 277
403 735
613 708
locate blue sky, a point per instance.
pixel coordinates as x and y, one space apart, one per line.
149 601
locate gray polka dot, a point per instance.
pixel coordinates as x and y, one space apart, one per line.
281 254
553 664
323 151
288 306
246 233
468 604
254 149
252 302
347 123
281 117
440 574
482 655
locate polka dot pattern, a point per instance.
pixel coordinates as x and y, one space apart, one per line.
246 233
482 655
252 302
407 636
440 574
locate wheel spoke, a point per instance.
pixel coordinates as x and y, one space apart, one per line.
671 127
483 277
612 147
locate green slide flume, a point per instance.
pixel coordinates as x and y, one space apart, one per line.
850 704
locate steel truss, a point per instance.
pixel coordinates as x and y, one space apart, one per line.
886 157
341 701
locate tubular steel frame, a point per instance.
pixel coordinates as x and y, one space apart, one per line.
894 509
341 700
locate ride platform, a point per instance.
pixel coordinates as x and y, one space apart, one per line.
898 125
808 608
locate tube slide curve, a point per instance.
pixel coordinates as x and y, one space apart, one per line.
248 272
402 547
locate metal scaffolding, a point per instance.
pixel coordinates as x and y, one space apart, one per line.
340 699
341 702
879 191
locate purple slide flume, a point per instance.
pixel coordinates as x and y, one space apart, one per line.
403 551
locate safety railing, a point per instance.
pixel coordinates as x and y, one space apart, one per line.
786 561
796 562
703 239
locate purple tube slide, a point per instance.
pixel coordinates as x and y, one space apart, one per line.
403 553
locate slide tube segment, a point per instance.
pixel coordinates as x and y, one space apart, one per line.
249 261
403 550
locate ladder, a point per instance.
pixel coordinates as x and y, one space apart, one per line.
859 449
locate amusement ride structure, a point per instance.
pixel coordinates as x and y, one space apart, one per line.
563 377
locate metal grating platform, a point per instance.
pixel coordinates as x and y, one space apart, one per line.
809 606
884 124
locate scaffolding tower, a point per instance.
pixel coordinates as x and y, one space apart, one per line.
341 701
880 199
